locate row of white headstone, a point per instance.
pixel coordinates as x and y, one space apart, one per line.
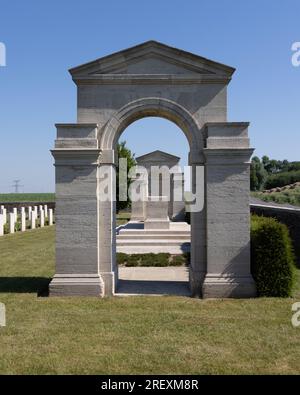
33 213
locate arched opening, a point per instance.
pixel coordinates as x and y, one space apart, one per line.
108 138
155 260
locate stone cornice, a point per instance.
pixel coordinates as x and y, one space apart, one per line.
76 157
227 156
146 79
151 48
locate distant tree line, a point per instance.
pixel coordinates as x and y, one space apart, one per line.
269 173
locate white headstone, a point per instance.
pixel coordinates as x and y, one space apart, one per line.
50 216
42 218
33 218
1 225
4 216
15 211
29 212
1 209
46 210
11 222
23 220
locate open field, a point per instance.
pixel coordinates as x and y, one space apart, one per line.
134 334
290 196
27 197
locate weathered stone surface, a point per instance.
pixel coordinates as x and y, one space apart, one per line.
152 79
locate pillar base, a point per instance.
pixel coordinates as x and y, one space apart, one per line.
110 280
157 224
76 285
228 286
136 218
196 279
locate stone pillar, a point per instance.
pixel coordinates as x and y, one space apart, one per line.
107 223
76 156
197 209
12 222
177 205
50 213
23 220
228 226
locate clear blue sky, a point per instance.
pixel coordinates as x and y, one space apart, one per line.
45 38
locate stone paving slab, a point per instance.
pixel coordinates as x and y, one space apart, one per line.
153 281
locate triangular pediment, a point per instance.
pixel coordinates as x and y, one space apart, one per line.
159 157
152 60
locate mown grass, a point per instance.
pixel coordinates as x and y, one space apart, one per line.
164 335
290 196
27 197
123 218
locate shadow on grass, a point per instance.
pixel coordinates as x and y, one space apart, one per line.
37 285
145 287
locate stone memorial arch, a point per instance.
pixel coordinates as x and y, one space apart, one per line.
152 79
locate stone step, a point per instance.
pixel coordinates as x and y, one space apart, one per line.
150 242
146 249
152 232
181 236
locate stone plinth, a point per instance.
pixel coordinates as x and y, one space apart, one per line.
157 213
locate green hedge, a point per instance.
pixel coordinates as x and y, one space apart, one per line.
150 259
282 179
272 257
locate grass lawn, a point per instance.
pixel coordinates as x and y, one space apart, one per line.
135 334
123 218
27 197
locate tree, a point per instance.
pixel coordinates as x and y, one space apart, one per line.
258 174
124 152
